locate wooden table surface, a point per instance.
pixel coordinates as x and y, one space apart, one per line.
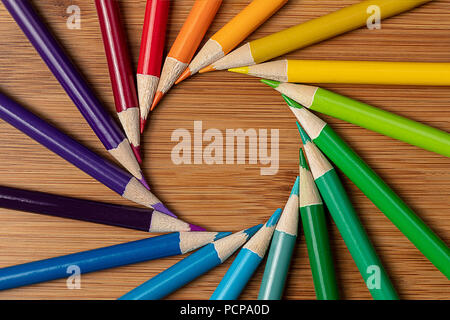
224 197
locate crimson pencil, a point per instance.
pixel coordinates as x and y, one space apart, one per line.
151 54
120 71
72 81
104 171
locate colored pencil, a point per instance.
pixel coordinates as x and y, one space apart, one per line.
120 71
281 249
105 258
74 84
348 223
356 72
233 33
316 235
143 219
310 32
246 262
190 268
185 45
151 54
104 171
366 116
389 203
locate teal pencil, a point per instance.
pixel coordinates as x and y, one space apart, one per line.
281 249
348 223
316 235
246 262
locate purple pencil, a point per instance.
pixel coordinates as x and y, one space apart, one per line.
74 84
104 171
143 219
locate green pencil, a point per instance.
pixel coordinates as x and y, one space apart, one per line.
366 116
316 235
281 248
348 223
374 188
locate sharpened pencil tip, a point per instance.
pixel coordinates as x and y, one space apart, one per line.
156 100
162 208
137 153
221 235
272 83
302 158
243 70
143 122
144 183
193 227
291 103
186 74
274 218
251 231
295 188
207 69
303 134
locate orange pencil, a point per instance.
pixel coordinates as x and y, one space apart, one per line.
185 45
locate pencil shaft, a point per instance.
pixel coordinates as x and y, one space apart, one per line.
73 208
117 54
176 276
89 261
325 27
381 121
366 72
153 37
237 276
110 175
319 252
355 237
277 266
385 199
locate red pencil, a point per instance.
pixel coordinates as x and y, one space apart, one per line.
151 54
120 71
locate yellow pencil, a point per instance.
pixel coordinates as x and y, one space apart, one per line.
310 32
356 72
233 33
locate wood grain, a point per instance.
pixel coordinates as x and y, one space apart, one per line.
224 197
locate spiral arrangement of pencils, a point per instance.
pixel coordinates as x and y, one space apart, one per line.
317 192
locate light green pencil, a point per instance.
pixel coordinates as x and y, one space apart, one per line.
348 223
316 235
374 188
281 248
366 116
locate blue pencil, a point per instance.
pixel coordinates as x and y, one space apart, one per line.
246 262
108 257
190 268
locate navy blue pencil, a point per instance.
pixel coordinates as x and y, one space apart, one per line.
104 258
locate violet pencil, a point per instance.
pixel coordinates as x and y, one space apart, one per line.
104 171
64 70
143 219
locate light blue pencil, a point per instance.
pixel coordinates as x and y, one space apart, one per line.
108 257
190 267
246 262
